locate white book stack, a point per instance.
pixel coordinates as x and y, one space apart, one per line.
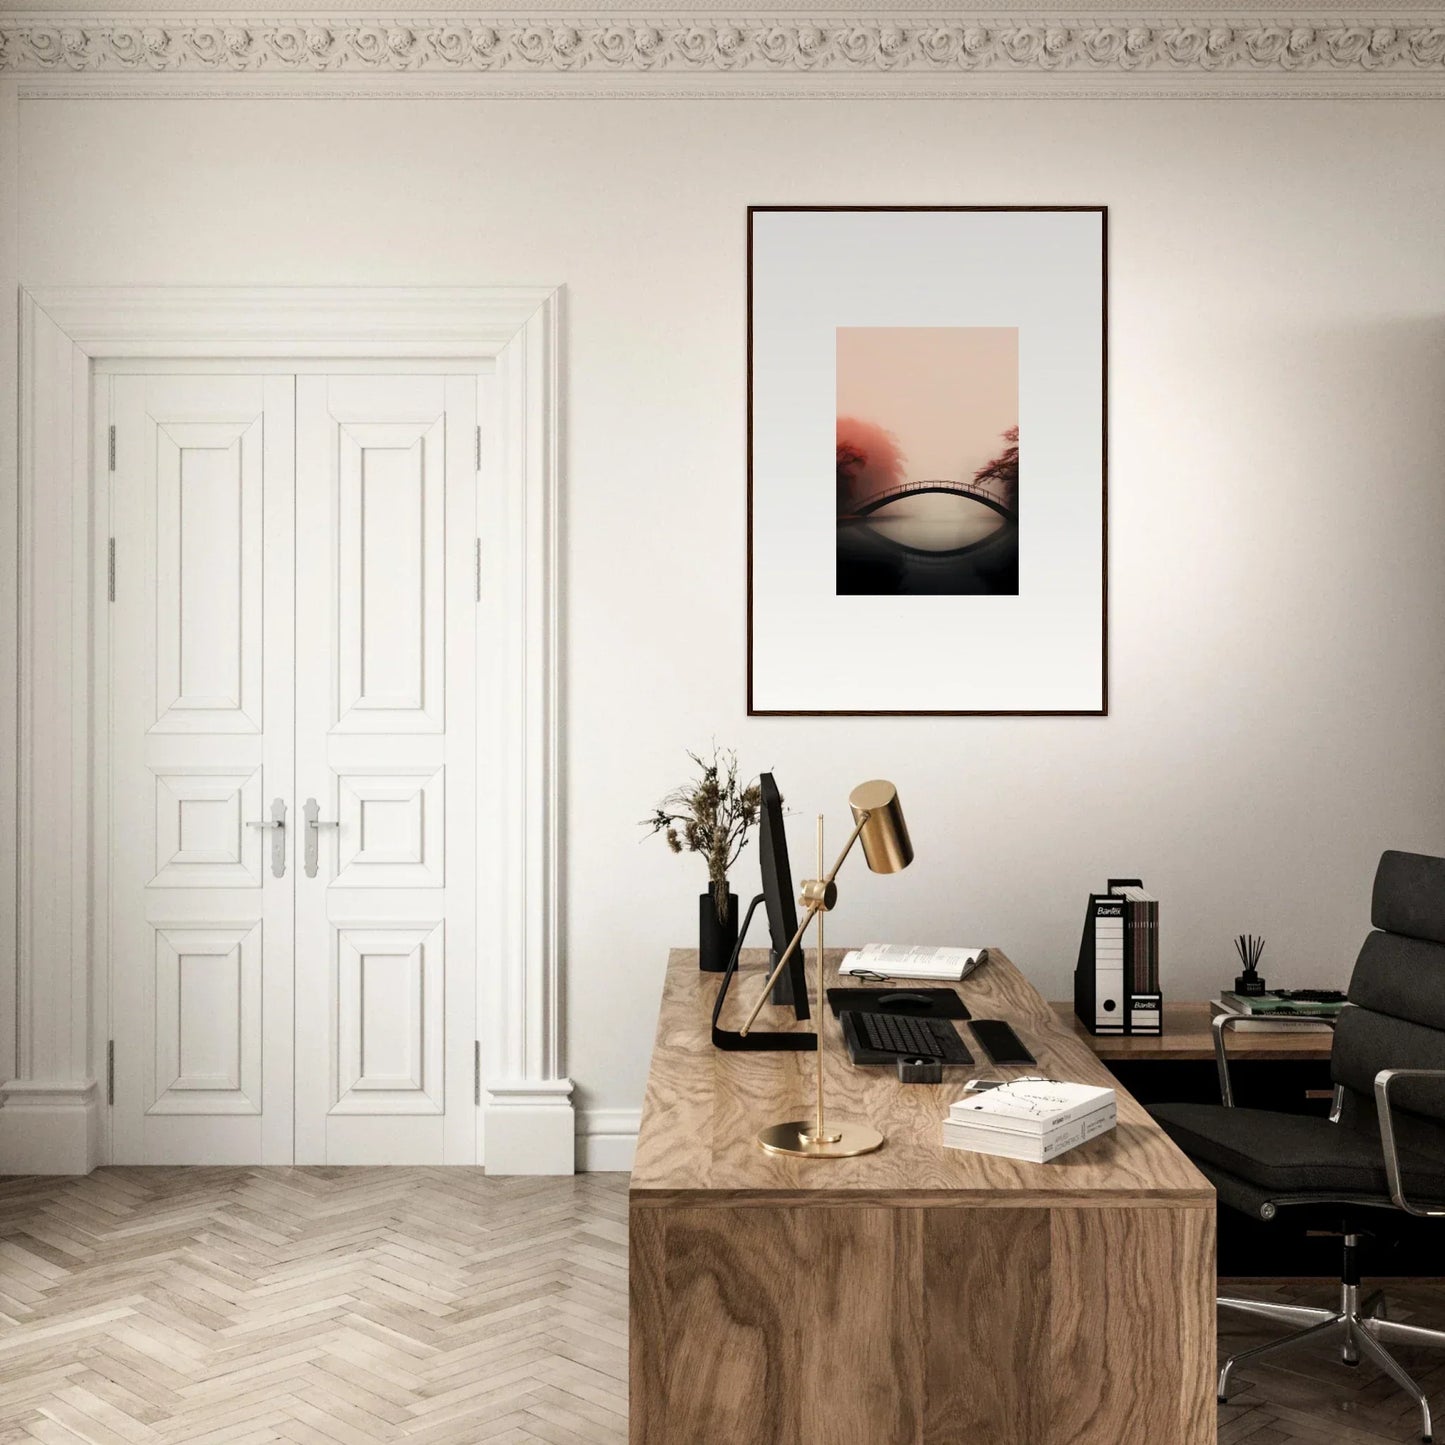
1031 1119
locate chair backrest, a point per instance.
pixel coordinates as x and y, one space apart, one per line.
1398 993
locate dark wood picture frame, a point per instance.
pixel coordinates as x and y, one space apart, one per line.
1103 709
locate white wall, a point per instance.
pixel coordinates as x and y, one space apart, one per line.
1277 572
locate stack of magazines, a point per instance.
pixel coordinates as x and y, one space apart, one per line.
1032 1119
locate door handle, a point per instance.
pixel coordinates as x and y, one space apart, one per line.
276 822
314 825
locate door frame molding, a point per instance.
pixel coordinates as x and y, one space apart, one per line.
52 1114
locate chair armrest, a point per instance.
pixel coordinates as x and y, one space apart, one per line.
1221 1025
1383 1080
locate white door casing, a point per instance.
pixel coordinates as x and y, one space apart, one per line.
386 746
201 743
54 1119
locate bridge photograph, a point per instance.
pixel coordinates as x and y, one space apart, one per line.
927 460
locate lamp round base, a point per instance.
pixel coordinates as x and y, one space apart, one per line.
795 1137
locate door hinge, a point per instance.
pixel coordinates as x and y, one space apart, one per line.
110 1072
110 569
477 1072
478 568
479 448
112 448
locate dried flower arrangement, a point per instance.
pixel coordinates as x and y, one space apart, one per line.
712 816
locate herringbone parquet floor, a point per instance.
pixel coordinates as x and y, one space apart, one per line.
322 1306
350 1306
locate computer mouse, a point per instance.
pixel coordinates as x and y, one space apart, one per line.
904 999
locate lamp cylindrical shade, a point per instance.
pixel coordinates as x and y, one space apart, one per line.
886 844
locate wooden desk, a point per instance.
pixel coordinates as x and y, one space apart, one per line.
1187 1037
919 1295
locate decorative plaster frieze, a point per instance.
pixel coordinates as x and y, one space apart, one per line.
762 46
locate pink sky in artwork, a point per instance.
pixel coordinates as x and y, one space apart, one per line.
925 402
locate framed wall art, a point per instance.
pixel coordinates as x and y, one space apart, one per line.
950 361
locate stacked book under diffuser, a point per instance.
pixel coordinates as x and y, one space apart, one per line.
1268 1012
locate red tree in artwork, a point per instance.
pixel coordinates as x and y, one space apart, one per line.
869 461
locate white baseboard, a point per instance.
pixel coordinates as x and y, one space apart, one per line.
49 1128
530 1128
607 1139
55 1129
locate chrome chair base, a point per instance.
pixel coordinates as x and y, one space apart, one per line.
1362 1327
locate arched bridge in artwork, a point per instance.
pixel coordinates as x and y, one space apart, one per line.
972 490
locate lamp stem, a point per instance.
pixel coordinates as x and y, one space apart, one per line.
788 952
819 1132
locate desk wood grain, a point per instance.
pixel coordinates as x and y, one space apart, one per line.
919 1295
703 1108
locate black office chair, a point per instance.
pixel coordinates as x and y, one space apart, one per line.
1381 1151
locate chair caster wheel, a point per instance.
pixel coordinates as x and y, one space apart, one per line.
1221 1399
1353 1364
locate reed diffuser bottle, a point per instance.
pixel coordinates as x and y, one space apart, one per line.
1249 948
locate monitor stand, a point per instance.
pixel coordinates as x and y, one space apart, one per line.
755 1041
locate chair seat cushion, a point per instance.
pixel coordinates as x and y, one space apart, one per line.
1293 1153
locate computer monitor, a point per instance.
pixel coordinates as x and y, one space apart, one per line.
791 987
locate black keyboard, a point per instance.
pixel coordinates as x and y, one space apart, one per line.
891 1036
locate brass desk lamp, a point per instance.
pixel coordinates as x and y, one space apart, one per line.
878 822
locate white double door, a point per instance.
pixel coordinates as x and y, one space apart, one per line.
292 767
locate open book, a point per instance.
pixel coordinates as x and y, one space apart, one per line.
902 960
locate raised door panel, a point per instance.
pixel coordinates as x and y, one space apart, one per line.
202 837
207 1011
391 829
202 665
208 583
391 576
389 1023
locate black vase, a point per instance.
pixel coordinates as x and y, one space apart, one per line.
716 938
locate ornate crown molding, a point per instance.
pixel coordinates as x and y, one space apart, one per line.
985 46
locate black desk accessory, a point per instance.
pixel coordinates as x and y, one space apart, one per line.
920 1071
875 1038
1000 1042
1249 948
937 1003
